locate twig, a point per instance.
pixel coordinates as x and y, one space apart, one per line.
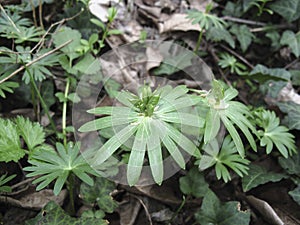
10 20
239 20
34 61
145 208
238 56
291 64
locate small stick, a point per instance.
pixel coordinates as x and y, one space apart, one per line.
34 61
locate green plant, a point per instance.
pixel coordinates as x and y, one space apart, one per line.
151 119
230 62
223 158
3 180
221 107
60 166
205 21
271 133
10 143
261 6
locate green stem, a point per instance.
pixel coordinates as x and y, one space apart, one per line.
64 112
45 107
178 210
199 41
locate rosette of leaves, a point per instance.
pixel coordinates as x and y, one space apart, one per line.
231 113
57 166
223 159
152 120
272 133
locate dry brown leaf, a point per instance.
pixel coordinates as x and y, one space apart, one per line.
177 22
128 210
288 94
154 58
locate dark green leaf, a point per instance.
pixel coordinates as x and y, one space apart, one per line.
215 212
289 9
194 183
54 214
99 193
243 35
219 34
258 175
292 119
292 164
292 40
295 194
263 74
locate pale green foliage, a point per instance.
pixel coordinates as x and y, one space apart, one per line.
230 62
58 166
7 87
213 211
271 133
231 113
32 133
3 180
149 119
205 19
223 159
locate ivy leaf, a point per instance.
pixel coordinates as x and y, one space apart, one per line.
65 34
99 193
88 65
219 34
292 40
243 35
295 194
288 9
32 133
273 133
54 214
263 74
194 183
292 118
258 175
10 145
291 165
213 211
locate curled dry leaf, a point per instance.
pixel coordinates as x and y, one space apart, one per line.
288 94
177 22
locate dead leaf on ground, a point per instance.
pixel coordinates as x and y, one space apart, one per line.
177 22
128 210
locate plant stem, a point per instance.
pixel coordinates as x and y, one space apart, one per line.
70 187
45 107
178 210
64 112
199 41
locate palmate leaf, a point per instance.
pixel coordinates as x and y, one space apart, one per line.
152 121
7 87
231 113
3 180
274 134
52 165
223 159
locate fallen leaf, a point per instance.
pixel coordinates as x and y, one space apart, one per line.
177 22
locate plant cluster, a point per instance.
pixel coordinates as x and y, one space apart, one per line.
219 131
